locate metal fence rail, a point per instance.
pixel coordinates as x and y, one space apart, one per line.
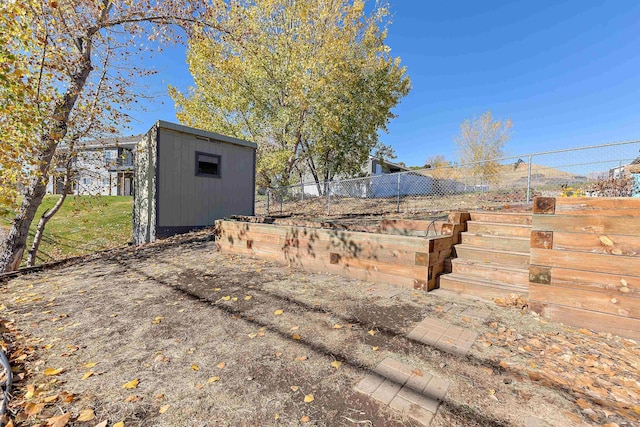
601 170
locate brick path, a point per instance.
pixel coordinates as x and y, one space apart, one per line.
443 336
414 393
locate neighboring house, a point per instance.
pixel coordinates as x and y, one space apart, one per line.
356 188
102 166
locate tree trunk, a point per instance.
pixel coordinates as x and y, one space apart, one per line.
16 241
44 219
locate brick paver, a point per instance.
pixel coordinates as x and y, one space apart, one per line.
414 393
449 338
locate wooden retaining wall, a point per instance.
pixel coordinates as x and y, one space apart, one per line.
585 262
404 260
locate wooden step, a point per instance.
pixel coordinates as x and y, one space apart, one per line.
501 217
499 229
502 243
474 253
481 288
491 271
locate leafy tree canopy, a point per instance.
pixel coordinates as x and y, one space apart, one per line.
312 82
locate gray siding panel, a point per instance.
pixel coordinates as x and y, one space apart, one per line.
190 200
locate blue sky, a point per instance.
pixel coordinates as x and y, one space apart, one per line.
566 72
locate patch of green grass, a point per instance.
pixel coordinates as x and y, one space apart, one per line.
84 224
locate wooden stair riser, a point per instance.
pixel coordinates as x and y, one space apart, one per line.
517 244
482 290
478 254
493 229
491 272
498 217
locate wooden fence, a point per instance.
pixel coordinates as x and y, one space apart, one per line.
585 262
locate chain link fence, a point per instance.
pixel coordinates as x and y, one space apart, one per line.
602 170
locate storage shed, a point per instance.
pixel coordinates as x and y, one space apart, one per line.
186 178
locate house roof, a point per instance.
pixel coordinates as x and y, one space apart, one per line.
117 142
205 134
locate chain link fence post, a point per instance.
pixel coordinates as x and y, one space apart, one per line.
529 180
398 194
268 194
328 190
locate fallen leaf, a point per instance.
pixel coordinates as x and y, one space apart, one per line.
164 409
336 364
372 332
133 398
294 328
86 415
278 353
31 408
159 396
252 335
67 397
213 379
157 320
221 365
102 424
296 337
583 403
31 391
337 326
624 290
247 298
418 372
276 416
59 421
234 299
90 365
87 375
300 358
227 298
374 348
308 398
305 419
51 398
278 312
131 384
119 424
606 241
295 388
49 372
195 367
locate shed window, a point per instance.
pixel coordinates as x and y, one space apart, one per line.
208 165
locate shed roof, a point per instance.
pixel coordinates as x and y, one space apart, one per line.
205 134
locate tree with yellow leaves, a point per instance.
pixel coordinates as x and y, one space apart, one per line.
481 140
312 82
66 75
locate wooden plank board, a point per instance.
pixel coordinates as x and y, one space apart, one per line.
597 224
605 282
389 241
614 264
598 206
597 243
623 326
304 258
612 302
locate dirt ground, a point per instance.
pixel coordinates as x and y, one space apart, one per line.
179 334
